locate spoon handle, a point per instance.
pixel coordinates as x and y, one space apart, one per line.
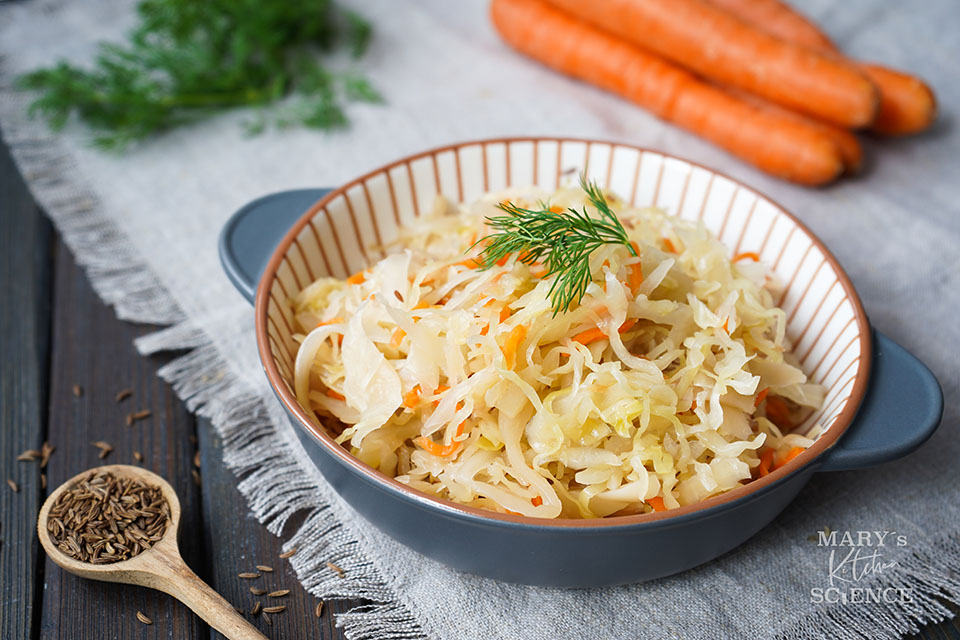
183 584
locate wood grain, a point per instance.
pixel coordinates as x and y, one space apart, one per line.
227 516
25 245
93 349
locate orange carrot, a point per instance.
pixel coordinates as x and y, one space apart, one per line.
412 398
536 501
845 141
357 278
336 396
668 243
760 396
780 146
470 263
441 450
788 456
726 324
330 321
777 412
592 335
747 255
766 459
504 314
777 19
907 104
657 503
635 272
510 345
717 45
397 337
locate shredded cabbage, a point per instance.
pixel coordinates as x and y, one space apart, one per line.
462 383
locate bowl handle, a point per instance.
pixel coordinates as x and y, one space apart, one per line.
251 234
901 409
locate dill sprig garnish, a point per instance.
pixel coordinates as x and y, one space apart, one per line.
562 241
186 60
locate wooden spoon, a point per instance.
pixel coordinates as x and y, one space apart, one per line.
159 567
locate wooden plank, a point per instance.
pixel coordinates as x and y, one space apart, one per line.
25 246
237 543
93 349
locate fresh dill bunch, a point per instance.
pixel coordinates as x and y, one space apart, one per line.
186 60
562 241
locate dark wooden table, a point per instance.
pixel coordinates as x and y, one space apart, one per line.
55 334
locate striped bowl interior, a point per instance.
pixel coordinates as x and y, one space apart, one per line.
825 320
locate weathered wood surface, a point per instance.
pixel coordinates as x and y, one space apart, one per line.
25 242
55 333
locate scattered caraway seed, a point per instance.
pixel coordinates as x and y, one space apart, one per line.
257 591
143 618
279 593
319 610
45 452
13 485
196 477
103 518
123 395
265 568
238 610
334 567
43 481
129 420
138 456
275 609
77 390
256 608
267 618
248 575
29 455
196 459
287 554
142 414
104 447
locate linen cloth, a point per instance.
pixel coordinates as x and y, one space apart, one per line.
145 225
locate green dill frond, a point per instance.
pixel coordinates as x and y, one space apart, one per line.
187 60
562 241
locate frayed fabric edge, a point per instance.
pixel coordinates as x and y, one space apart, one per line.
201 379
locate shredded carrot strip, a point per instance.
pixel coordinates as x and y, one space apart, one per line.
473 239
485 329
357 278
760 396
657 503
442 388
752 255
412 398
397 337
788 456
330 321
422 305
470 263
777 412
536 501
513 513
502 261
588 336
635 272
766 460
669 245
556 209
726 324
592 335
504 314
693 405
441 450
513 341
336 396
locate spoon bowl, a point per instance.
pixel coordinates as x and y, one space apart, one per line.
160 567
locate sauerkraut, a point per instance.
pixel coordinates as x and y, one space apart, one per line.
669 382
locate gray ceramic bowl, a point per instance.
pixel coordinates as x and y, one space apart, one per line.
882 402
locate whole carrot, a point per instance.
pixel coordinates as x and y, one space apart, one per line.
847 143
907 104
717 45
781 146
